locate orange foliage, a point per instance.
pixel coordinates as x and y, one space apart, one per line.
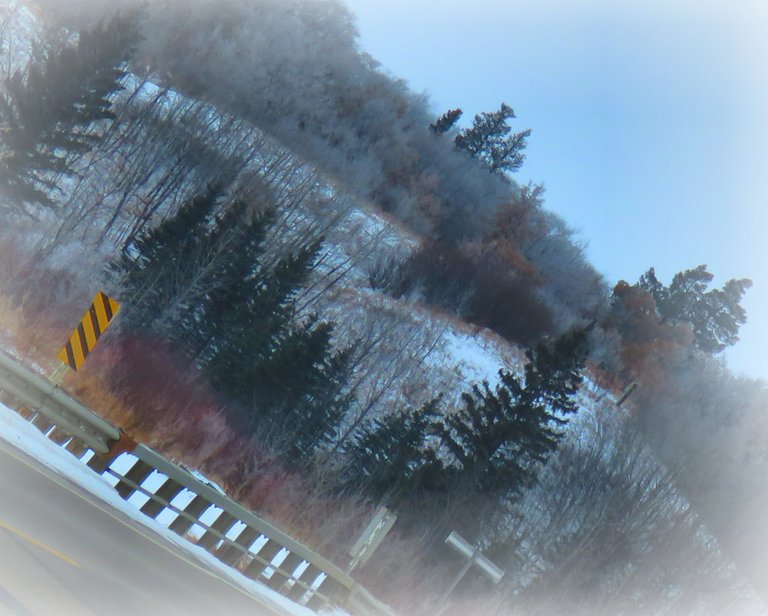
650 347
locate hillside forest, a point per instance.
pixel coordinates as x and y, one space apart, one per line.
335 297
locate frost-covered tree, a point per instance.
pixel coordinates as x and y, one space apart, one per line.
489 140
163 270
607 530
714 314
446 121
50 112
281 371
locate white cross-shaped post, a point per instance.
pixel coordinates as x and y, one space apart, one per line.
473 557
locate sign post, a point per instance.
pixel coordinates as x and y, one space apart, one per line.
371 538
626 393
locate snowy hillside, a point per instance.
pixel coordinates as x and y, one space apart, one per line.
335 298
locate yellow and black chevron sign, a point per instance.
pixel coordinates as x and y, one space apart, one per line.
84 338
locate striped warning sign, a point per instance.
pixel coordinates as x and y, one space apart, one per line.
84 338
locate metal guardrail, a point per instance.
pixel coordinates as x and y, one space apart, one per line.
43 398
241 539
237 537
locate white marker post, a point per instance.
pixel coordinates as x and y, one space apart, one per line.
474 557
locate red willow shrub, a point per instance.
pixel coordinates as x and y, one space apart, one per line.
171 407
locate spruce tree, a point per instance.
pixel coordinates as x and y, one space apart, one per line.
489 140
198 280
258 322
318 403
236 244
446 121
390 456
159 267
49 113
287 383
495 440
715 315
282 373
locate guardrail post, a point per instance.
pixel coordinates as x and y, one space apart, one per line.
59 436
262 560
218 529
231 554
134 477
304 583
42 423
101 461
330 590
76 448
194 509
284 573
165 494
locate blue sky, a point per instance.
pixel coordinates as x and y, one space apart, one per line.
649 128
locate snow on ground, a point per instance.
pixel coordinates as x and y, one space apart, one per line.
21 434
473 357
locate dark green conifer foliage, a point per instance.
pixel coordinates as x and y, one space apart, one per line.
158 273
197 279
259 321
311 408
237 242
50 113
390 457
489 140
284 376
715 314
446 121
499 435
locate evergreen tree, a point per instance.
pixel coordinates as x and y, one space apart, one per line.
499 435
390 457
197 279
237 242
283 375
489 140
187 276
48 113
315 406
159 271
715 315
288 386
257 322
490 446
446 121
